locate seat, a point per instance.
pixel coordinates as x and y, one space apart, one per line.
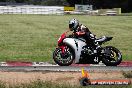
103 38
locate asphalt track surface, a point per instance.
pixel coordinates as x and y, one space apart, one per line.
65 68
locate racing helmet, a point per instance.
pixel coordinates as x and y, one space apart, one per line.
73 24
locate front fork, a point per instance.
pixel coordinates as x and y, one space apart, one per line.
62 49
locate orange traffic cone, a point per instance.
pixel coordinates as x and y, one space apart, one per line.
84 81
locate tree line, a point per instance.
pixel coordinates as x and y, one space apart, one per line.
38 2
126 5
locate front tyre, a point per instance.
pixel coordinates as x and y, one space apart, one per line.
63 59
112 56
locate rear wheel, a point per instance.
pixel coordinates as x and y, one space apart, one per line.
112 56
63 59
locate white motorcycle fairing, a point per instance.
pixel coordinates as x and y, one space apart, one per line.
76 45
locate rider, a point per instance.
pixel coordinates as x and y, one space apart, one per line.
82 31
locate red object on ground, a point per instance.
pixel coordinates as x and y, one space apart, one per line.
125 63
80 65
17 63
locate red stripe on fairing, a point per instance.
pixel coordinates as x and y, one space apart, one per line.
17 63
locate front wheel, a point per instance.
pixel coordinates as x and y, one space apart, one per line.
63 59
112 56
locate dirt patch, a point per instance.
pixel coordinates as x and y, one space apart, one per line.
14 78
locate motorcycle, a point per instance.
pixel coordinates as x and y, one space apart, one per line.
75 50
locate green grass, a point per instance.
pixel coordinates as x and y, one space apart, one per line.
34 37
127 74
41 84
126 14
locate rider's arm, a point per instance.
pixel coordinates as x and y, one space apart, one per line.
82 30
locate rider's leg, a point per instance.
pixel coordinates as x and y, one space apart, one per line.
90 38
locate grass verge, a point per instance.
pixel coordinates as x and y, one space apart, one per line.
34 37
41 84
127 74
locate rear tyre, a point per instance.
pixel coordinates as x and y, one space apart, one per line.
65 59
112 56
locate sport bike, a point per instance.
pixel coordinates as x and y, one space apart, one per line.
72 49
